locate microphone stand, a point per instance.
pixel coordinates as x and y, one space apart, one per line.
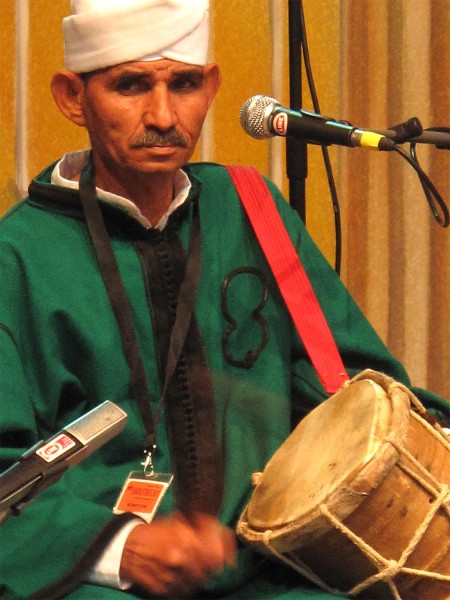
296 150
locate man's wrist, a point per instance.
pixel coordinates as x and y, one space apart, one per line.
106 570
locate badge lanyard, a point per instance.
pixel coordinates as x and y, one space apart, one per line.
123 314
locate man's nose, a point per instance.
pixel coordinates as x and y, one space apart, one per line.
159 111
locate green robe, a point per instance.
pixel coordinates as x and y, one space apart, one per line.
61 355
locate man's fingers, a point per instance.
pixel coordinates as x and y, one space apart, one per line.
174 556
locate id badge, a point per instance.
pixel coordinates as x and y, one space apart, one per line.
141 494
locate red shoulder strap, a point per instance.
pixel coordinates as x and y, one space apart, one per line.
290 275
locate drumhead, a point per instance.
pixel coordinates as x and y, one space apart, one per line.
337 454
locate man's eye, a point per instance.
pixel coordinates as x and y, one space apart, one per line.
188 83
131 86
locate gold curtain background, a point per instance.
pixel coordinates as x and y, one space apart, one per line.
395 65
375 63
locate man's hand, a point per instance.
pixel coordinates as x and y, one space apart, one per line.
174 556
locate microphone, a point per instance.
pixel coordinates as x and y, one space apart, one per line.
264 117
438 137
45 463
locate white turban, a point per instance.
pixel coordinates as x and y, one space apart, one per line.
103 33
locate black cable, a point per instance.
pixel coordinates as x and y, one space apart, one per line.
432 195
444 222
325 153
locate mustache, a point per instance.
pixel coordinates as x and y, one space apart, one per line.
152 137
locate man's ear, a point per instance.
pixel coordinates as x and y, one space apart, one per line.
68 90
213 78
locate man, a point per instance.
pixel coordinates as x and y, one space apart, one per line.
166 320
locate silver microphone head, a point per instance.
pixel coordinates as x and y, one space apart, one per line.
254 113
95 428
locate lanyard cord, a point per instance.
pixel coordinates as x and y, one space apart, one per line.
121 306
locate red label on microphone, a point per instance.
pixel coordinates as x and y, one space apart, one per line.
279 123
55 447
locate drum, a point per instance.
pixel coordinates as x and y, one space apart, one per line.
357 499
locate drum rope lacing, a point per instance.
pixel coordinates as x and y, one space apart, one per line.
387 569
298 566
439 500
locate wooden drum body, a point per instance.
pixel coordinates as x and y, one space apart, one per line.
357 499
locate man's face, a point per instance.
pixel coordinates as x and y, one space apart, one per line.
146 117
